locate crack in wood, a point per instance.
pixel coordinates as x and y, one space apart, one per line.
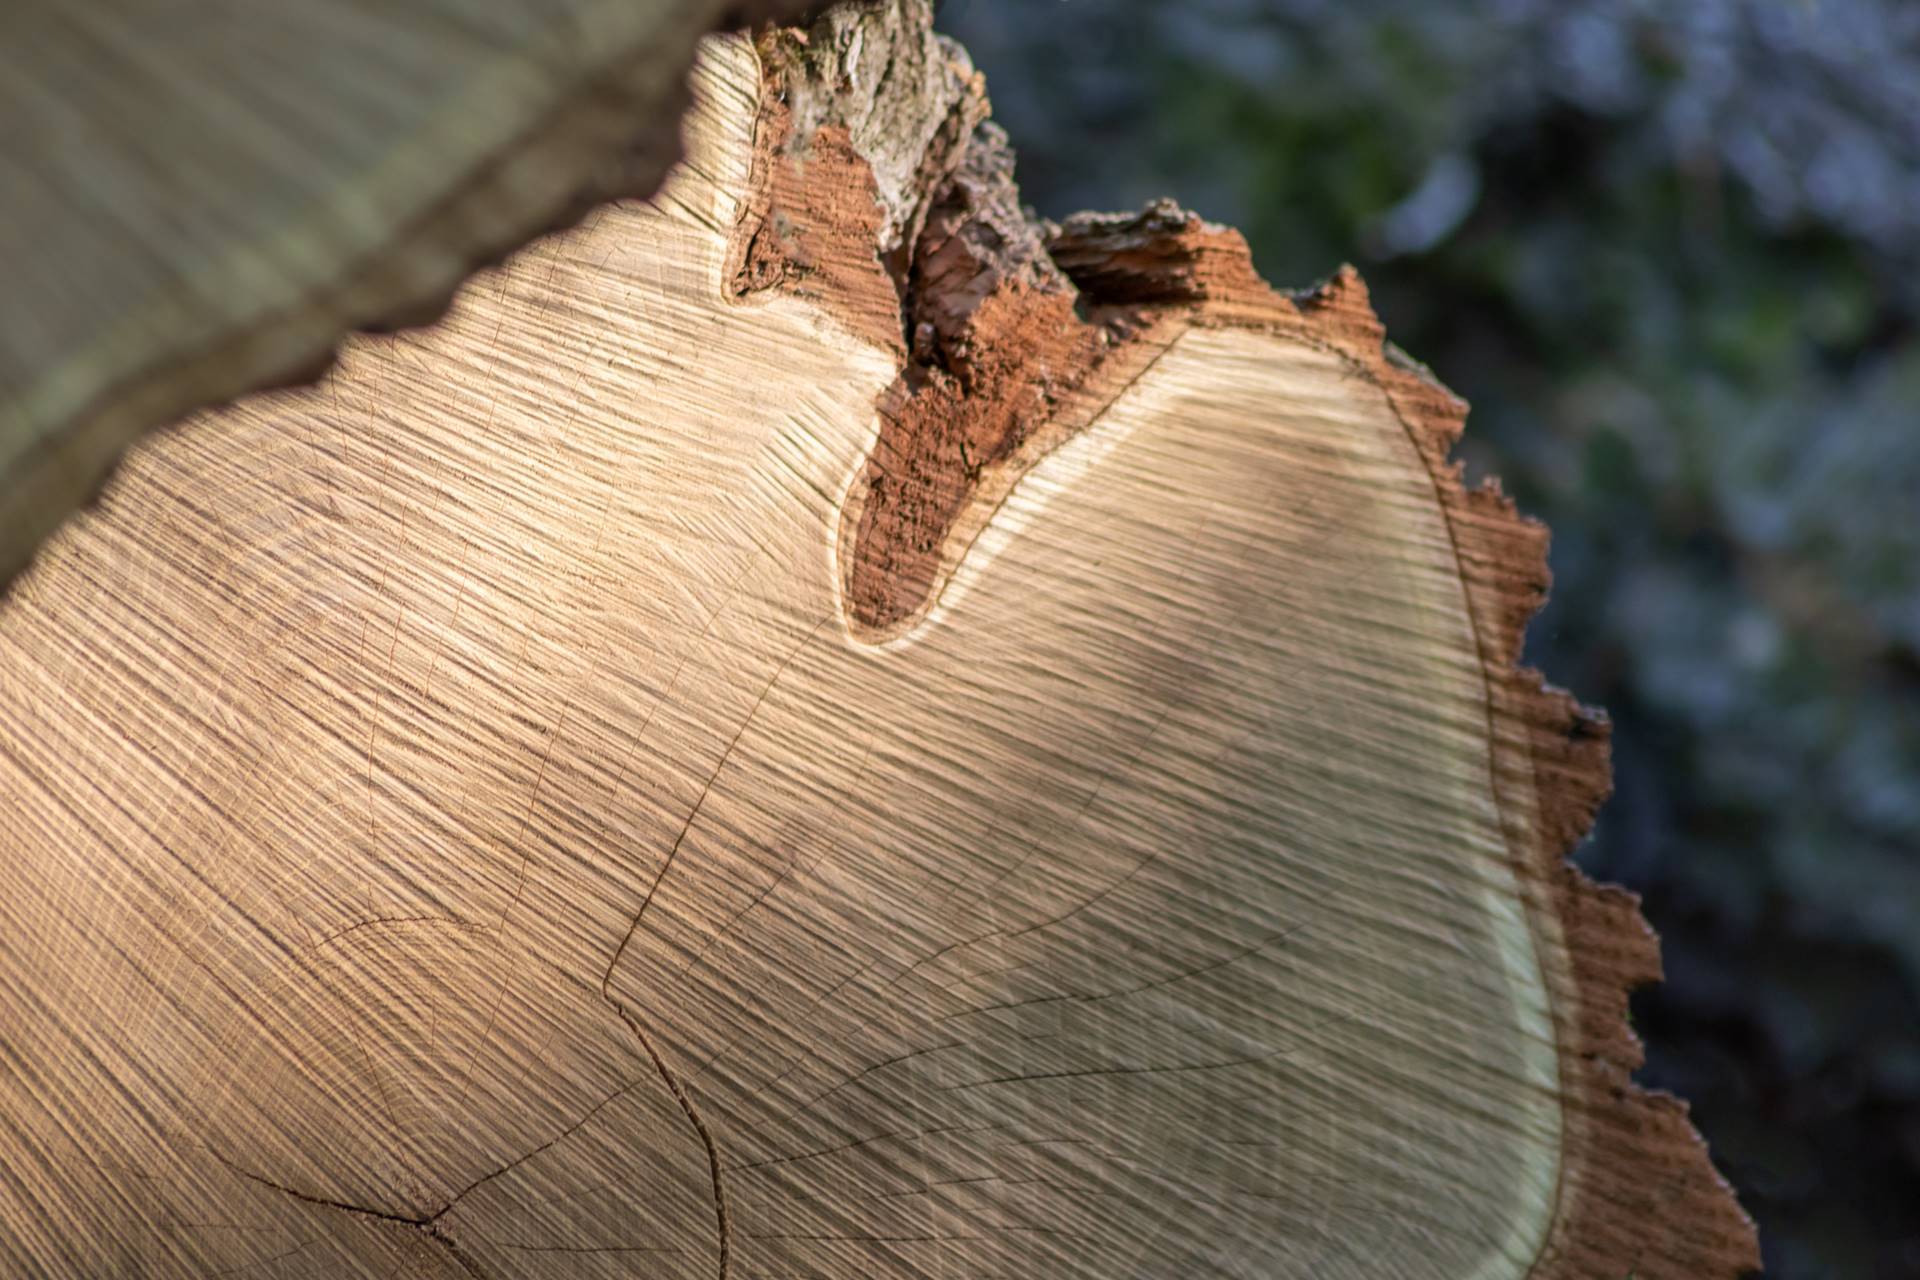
680 1093
427 1225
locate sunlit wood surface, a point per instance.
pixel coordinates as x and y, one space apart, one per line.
448 829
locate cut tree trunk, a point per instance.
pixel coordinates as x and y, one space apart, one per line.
817 726
199 198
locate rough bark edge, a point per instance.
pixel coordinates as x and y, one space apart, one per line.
1638 1194
1001 354
616 136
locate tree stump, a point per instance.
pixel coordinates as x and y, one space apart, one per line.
818 726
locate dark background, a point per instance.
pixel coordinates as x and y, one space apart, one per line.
1669 251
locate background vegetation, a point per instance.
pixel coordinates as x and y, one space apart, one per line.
1669 251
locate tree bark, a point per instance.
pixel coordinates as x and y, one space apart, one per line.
819 725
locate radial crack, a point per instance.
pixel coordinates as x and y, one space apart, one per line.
427 1225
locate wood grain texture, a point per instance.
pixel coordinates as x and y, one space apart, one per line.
202 198
456 824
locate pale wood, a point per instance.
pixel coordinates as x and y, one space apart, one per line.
200 198
451 828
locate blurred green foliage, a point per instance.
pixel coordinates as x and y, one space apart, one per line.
1671 253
